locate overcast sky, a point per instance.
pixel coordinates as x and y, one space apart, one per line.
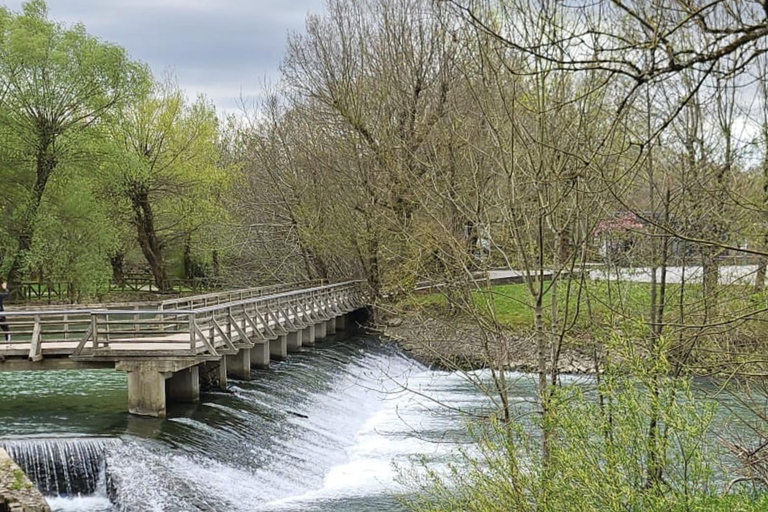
221 48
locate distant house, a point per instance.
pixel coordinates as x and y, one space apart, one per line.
616 238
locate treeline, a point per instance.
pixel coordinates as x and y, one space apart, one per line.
103 166
408 141
420 141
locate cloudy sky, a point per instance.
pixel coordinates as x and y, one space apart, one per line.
222 48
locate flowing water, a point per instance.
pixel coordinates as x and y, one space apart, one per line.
320 431
323 431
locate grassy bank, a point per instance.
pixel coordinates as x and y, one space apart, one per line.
589 304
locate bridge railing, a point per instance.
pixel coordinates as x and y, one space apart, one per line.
67 323
263 317
255 312
209 299
215 330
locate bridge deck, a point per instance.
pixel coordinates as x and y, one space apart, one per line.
202 327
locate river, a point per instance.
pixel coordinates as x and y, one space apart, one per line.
319 431
322 431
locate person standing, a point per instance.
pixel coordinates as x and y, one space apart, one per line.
4 321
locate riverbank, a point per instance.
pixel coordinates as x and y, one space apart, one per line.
17 492
452 343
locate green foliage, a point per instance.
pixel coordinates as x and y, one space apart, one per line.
19 481
58 86
597 457
74 239
82 129
164 168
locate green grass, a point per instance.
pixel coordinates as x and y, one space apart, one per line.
597 302
19 480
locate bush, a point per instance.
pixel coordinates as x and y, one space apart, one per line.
599 446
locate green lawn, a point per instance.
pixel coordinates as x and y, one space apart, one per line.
597 302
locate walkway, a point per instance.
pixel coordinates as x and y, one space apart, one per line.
223 333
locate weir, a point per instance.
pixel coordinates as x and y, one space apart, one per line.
62 465
169 354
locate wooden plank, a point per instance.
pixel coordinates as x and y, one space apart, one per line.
227 340
300 319
264 323
205 341
254 327
244 339
279 328
81 345
288 321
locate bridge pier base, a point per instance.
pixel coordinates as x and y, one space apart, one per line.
147 384
183 386
146 391
214 374
294 341
260 355
308 336
239 365
330 326
320 331
341 322
278 348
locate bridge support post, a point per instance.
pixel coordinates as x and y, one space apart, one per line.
183 386
146 391
278 348
330 326
320 331
260 355
308 336
294 341
239 365
341 322
214 374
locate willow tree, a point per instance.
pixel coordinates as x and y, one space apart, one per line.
164 170
57 82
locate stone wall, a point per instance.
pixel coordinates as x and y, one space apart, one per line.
17 492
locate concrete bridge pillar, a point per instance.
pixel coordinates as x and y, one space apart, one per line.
239 365
260 355
146 391
320 331
294 341
183 386
278 348
213 374
330 326
147 384
341 322
308 336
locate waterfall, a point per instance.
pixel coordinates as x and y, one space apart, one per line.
62 466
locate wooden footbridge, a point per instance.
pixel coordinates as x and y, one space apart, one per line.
168 348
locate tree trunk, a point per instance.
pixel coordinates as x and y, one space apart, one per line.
189 271
760 276
118 268
711 271
216 264
149 242
45 164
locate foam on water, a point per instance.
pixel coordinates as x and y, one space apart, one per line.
318 432
80 504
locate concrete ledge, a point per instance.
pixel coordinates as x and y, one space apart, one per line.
17 492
